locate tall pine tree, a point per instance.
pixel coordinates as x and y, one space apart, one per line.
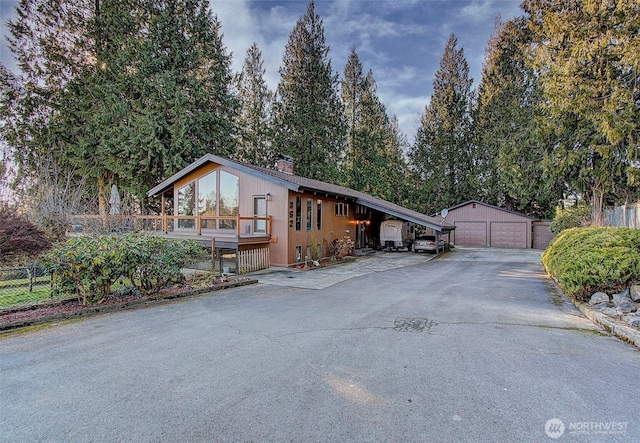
254 121
309 119
443 156
511 164
372 156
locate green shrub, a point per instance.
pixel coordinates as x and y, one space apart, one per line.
586 260
155 262
575 216
87 267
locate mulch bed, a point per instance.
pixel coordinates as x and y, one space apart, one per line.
15 318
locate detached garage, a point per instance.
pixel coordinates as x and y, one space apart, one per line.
481 224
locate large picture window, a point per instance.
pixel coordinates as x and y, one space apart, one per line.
229 196
218 194
186 206
208 199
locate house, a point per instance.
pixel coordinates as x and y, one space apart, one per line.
485 225
248 209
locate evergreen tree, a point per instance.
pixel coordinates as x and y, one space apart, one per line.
309 117
396 167
443 154
587 57
254 119
135 91
373 158
511 163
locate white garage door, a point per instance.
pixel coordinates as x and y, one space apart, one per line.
470 233
509 234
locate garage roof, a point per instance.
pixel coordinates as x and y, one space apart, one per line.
493 207
301 184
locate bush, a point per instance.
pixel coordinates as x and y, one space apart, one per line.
87 267
576 216
155 262
586 260
19 238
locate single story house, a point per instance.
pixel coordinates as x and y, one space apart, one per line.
485 225
237 206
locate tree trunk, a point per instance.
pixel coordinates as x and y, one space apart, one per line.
597 205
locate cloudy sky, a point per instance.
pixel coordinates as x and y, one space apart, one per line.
401 41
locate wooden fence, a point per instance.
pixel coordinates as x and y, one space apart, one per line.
253 260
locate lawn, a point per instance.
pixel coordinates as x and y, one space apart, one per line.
20 295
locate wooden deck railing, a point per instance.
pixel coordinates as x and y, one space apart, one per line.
166 223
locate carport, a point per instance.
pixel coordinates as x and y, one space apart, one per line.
382 207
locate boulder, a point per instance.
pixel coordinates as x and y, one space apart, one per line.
611 312
622 295
634 293
632 320
598 297
626 306
604 305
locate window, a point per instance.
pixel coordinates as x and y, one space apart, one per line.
215 194
342 209
319 215
298 214
260 210
208 199
309 214
229 196
309 253
186 205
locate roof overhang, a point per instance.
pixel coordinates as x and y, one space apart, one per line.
405 214
210 158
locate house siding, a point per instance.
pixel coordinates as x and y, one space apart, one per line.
332 226
285 238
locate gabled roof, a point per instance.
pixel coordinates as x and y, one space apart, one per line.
301 184
493 207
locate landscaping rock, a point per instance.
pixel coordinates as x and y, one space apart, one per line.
621 297
611 312
632 320
626 306
604 305
634 293
598 297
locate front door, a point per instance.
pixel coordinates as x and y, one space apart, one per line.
361 235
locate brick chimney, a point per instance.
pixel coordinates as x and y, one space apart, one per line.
285 164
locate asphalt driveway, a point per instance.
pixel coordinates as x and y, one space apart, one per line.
477 345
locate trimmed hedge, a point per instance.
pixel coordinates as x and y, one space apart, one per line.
586 260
